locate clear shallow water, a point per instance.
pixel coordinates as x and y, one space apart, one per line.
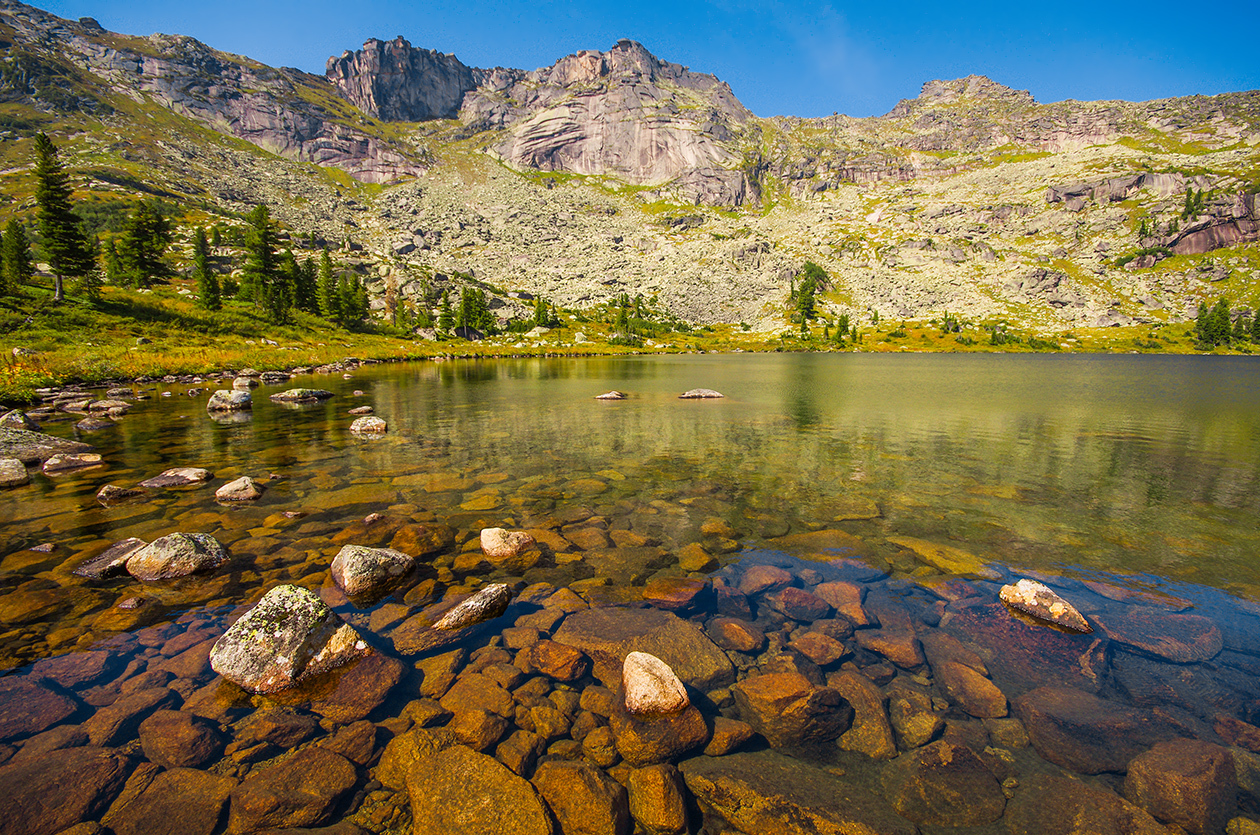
1141 471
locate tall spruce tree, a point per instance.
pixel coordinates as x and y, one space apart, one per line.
145 238
16 265
305 287
208 291
326 289
64 245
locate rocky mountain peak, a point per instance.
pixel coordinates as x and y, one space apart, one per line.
941 91
396 81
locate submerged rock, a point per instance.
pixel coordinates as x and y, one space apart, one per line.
178 477
1187 782
111 562
1084 733
651 687
243 489
767 792
657 738
303 791
35 447
360 570
1048 805
301 396
13 473
112 494
700 394
49 794
289 636
944 785
1040 601
176 555
608 635
583 798
229 400
458 791
1180 638
788 710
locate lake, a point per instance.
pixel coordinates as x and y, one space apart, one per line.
831 536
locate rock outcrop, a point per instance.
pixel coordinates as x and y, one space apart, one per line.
622 113
396 81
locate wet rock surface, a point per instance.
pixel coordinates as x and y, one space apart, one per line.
460 792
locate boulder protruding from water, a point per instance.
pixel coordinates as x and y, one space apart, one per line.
367 425
361 570
1040 601
230 400
176 555
500 544
289 636
611 395
700 394
178 477
13 473
301 396
651 687
486 604
243 489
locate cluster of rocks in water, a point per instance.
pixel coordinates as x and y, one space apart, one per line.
776 695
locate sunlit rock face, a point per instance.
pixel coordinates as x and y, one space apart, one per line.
395 81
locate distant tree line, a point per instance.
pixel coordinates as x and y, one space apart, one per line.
135 255
1215 326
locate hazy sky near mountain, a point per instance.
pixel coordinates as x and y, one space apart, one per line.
781 57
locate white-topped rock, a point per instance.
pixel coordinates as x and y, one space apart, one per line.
1038 600
651 687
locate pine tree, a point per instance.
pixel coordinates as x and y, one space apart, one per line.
1201 325
446 317
1242 328
352 302
305 288
208 290
88 285
1255 327
62 240
16 265
145 238
540 312
261 280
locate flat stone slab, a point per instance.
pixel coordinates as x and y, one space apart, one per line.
35 447
301 396
1180 638
609 635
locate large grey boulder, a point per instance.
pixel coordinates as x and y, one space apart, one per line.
176 555
243 489
358 569
225 400
17 419
289 636
178 477
301 396
35 447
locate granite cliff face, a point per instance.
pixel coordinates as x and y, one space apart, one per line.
395 81
622 113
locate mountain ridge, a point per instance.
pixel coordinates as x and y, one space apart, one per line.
617 171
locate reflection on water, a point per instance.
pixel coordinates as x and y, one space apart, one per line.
1127 481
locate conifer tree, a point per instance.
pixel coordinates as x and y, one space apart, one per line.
1255 327
62 240
305 288
326 289
262 281
540 312
352 302
113 269
88 285
16 265
446 317
208 290
144 240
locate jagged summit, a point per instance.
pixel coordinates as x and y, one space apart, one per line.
396 81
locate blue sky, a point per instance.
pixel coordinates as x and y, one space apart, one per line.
781 57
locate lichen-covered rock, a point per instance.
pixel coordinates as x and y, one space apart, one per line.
500 544
176 555
17 419
611 395
1040 601
35 447
112 494
230 400
650 686
369 424
700 394
358 569
243 489
289 636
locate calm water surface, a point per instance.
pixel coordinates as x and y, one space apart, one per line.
1142 472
